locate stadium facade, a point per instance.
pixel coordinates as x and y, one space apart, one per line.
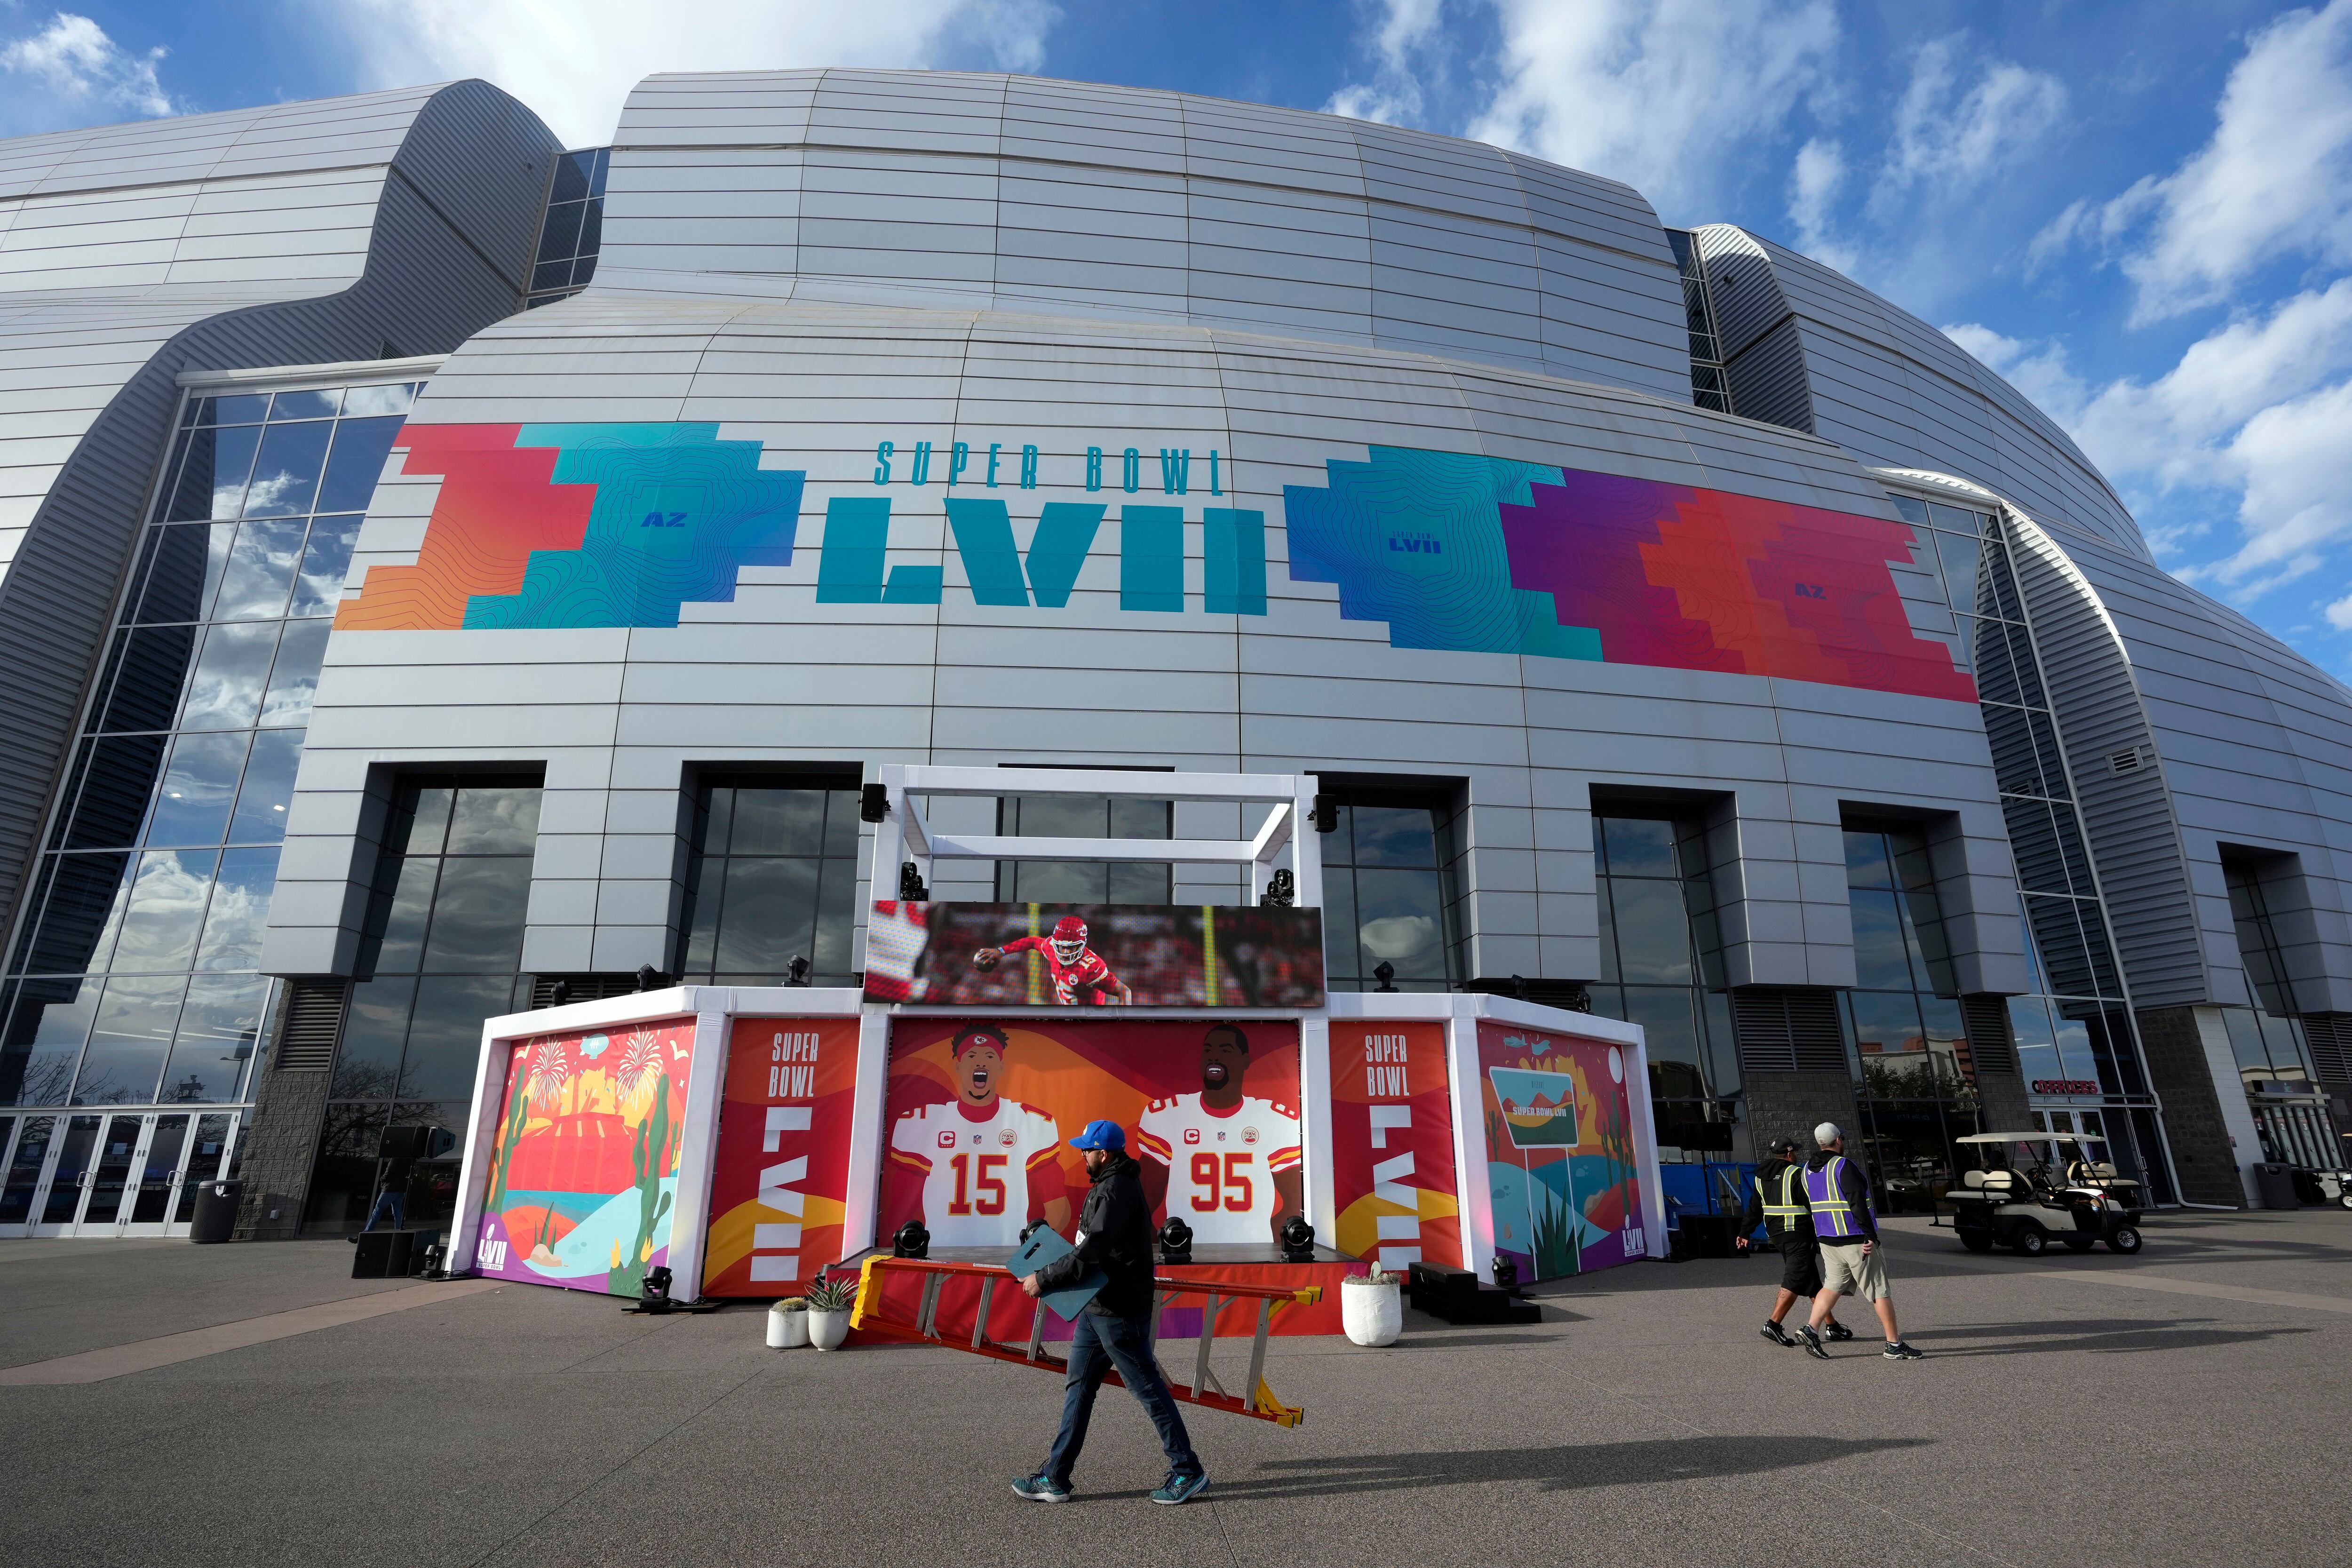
440 568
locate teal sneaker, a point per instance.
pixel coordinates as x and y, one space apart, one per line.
1043 1488
1180 1489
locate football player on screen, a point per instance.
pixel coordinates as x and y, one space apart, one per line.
1081 979
976 1168
1227 1163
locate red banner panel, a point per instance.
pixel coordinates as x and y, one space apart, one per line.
1392 1144
781 1177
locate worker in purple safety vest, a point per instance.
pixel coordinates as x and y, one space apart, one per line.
1847 1232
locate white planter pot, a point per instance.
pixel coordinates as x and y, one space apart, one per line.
827 1329
1372 1314
787 1330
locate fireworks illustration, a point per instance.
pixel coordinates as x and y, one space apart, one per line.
550 1067
639 1072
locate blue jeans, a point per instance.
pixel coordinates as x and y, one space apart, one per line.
391 1204
1099 1344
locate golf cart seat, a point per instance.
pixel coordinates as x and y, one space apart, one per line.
2001 1184
1972 1178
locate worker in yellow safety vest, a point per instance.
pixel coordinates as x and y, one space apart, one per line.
1777 1202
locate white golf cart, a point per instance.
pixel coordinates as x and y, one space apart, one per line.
2031 1189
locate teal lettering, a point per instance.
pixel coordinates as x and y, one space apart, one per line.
959 459
1094 467
1212 473
882 462
1130 470
921 473
993 447
1029 469
1058 549
1175 469
983 537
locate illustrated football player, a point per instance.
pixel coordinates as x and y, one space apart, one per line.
1223 1162
1081 979
976 1168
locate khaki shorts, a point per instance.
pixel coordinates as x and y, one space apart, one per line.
1848 1271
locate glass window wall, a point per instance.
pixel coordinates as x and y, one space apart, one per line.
572 232
440 951
1388 896
1662 967
773 878
132 977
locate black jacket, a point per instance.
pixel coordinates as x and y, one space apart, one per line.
1767 1180
1115 1236
1856 1194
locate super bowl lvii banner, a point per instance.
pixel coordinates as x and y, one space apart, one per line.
780 1176
1562 1170
1392 1144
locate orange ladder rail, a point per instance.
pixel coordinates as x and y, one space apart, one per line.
870 1316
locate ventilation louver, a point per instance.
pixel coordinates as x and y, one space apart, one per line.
1787 1029
1990 1050
2330 1036
314 1023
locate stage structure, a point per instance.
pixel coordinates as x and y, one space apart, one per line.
747 1138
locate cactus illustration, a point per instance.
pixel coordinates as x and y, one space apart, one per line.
650 1153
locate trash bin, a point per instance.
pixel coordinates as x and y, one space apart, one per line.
215 1218
2276 1184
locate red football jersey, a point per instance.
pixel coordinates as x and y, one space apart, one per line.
1089 973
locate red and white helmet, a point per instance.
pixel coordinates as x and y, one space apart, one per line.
1069 939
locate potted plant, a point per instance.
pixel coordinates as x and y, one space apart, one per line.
1371 1308
788 1324
829 1300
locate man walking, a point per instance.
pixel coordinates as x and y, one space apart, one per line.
1113 1331
1777 1202
1847 1232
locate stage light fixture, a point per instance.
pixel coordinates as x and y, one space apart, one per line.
648 977
910 884
1298 1240
1281 891
874 803
796 973
912 1241
1175 1241
558 994
1506 1274
653 1296
1384 972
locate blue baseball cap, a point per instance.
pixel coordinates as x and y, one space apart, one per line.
1107 1135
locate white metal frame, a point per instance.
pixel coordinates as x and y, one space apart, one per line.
904 835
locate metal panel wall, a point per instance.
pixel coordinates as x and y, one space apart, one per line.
1011 192
298 234
1891 390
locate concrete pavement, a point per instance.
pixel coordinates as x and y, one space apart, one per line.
2066 1414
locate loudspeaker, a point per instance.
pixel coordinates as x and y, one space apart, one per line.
382 1255
405 1143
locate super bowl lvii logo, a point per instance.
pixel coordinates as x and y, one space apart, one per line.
544 526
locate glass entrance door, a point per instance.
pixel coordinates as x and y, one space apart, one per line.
93 1176
159 1169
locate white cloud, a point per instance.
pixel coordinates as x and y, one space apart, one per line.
2260 407
575 60
2275 181
2339 615
1668 96
1400 38
1949 142
72 73
1814 181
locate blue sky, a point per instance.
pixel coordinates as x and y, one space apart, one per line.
2141 213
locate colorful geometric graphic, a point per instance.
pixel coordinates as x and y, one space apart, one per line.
1487 555
1565 1190
583 1177
621 524
579 525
